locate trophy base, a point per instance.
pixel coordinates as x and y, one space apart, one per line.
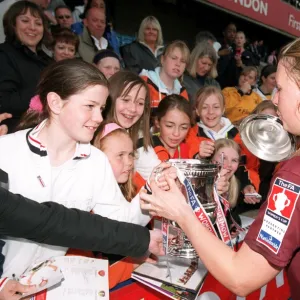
183 249
185 253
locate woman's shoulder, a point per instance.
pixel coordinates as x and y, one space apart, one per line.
4 46
291 165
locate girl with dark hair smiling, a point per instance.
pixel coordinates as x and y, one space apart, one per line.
54 160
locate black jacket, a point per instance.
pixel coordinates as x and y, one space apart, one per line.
54 224
20 71
137 57
192 85
228 72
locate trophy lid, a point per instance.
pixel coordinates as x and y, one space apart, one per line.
265 137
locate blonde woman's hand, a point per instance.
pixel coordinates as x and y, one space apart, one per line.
3 128
206 148
169 204
222 184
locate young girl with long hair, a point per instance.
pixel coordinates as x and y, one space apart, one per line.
227 152
54 161
165 80
129 107
117 145
173 120
213 126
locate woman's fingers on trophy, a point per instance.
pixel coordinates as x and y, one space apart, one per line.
163 170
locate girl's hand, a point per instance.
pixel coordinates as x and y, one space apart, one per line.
245 88
249 189
169 204
206 148
222 183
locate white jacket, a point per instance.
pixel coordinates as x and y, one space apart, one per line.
85 182
221 134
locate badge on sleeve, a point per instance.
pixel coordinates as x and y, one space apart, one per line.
281 205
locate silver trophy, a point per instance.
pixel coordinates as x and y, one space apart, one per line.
202 175
265 137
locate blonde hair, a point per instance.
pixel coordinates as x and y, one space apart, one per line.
267 104
150 20
290 55
181 46
206 91
234 188
203 49
128 188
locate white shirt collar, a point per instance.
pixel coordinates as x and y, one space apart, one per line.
100 44
35 145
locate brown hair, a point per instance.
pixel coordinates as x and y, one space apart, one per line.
233 184
206 91
173 102
247 70
267 104
65 35
120 84
128 188
65 78
21 8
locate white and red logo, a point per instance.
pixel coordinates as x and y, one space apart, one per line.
281 205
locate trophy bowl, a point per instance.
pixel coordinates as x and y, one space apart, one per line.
265 137
202 175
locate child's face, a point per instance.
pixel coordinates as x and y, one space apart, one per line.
270 82
81 114
174 126
174 63
119 151
130 108
250 78
109 66
231 159
211 112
